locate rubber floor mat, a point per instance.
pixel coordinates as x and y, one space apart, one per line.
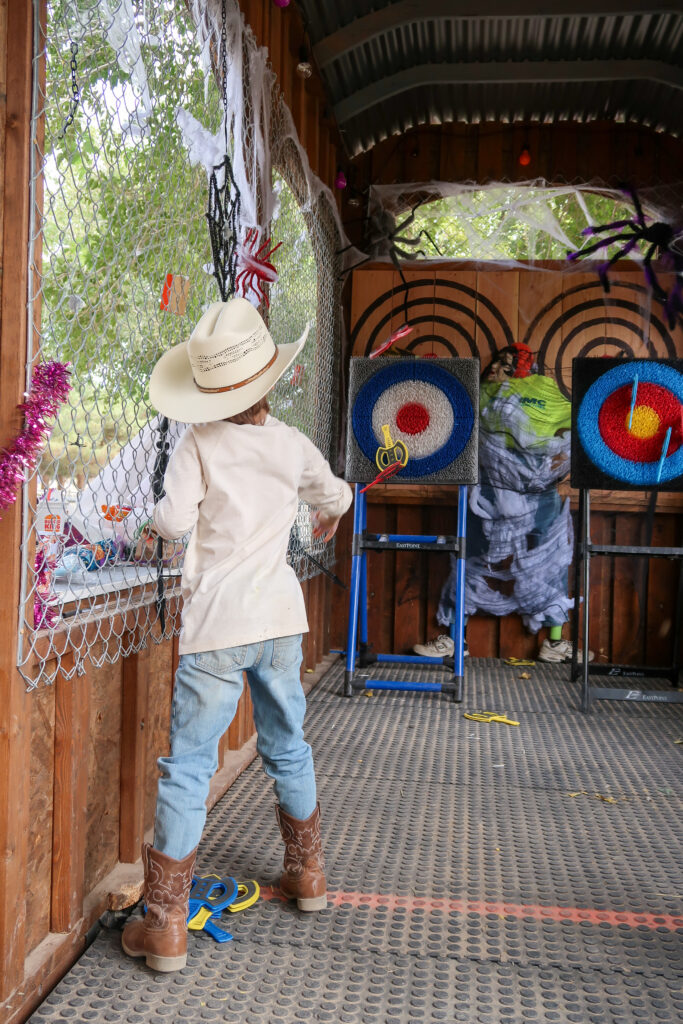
482 873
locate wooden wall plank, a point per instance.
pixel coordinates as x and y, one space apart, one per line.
249 728
387 603
364 326
234 731
286 58
628 642
304 640
490 153
312 655
39 865
134 697
313 131
72 719
267 8
157 660
482 636
497 307
339 598
601 592
561 152
409 625
300 110
381 581
327 615
440 520
514 640
253 14
662 584
104 761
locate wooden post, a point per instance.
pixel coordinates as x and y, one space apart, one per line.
133 758
16 38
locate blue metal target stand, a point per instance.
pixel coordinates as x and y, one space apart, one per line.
359 657
587 550
612 461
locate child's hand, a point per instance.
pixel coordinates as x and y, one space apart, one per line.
148 532
323 527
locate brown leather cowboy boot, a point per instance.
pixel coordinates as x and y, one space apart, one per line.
161 936
303 879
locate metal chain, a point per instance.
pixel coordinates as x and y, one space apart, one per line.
223 212
75 93
224 68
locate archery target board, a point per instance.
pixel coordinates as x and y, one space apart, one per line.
627 434
430 406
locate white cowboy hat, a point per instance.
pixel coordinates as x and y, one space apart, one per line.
228 364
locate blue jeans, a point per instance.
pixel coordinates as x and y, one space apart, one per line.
207 689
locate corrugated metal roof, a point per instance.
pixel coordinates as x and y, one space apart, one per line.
388 67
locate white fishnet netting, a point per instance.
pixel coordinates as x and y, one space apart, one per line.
520 540
520 224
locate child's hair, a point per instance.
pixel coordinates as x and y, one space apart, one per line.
251 415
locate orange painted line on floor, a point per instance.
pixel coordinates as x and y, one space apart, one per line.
575 915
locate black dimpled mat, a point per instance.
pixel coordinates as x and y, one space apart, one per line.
479 873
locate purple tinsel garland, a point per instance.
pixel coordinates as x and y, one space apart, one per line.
50 387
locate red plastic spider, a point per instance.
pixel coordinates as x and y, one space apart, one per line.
253 266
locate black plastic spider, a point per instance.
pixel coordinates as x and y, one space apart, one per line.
385 238
658 236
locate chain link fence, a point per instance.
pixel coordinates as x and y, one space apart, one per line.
120 270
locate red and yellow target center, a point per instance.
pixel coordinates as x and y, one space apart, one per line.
645 422
412 418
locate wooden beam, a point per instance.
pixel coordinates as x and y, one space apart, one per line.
70 802
396 16
16 38
511 72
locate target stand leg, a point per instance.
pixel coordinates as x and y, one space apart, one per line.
458 624
590 693
358 574
585 551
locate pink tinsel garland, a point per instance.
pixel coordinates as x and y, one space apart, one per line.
50 387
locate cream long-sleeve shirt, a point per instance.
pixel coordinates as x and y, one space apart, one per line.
237 488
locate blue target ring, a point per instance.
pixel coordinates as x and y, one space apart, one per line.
638 474
401 372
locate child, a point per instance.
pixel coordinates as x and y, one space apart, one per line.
234 480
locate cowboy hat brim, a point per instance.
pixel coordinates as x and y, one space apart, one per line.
173 392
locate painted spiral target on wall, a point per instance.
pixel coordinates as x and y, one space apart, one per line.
627 423
583 321
450 318
428 406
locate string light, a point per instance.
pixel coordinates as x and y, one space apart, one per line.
524 158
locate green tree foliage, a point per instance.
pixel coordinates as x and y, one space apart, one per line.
514 222
122 208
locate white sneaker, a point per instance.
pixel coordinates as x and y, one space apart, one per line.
560 651
442 647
